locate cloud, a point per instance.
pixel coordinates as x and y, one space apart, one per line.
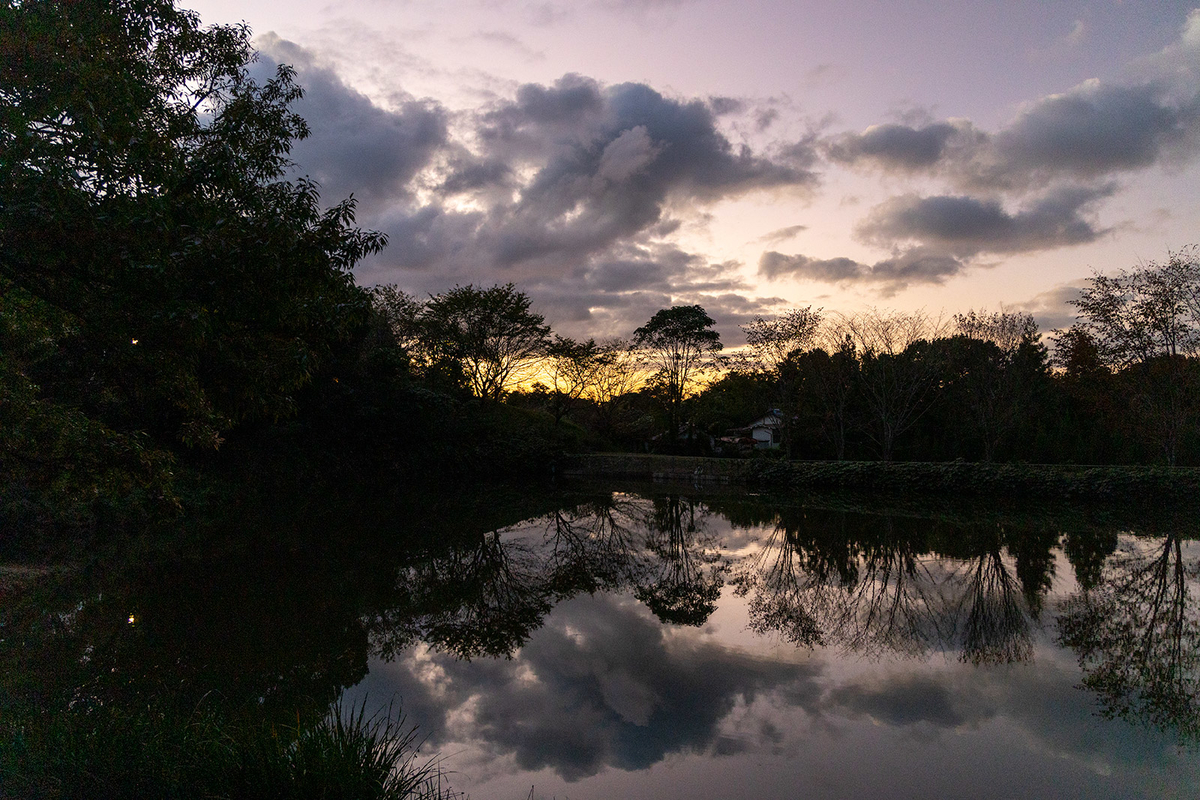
935 238
965 226
574 191
913 265
586 168
1093 131
902 701
509 41
1052 309
782 234
356 147
891 146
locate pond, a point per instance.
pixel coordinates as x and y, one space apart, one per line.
656 641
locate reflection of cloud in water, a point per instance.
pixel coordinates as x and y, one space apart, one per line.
603 684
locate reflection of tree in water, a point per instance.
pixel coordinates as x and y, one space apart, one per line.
819 579
786 596
483 596
874 585
486 594
990 613
591 545
1137 635
685 579
893 607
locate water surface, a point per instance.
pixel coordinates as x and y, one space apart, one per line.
667 642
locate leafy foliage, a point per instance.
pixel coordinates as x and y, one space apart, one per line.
184 285
678 342
491 333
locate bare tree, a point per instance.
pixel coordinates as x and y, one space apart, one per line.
897 371
1008 330
571 368
771 341
618 373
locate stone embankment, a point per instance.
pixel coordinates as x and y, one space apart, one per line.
958 477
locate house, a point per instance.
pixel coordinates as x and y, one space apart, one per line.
767 431
764 433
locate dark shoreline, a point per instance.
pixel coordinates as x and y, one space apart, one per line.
955 477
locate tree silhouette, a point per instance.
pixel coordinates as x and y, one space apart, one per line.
688 573
491 333
678 342
1137 635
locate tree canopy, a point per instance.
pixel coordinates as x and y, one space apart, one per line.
677 342
491 333
181 283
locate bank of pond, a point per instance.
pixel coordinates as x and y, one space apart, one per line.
954 478
611 639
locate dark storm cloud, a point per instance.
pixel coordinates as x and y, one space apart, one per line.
355 146
965 226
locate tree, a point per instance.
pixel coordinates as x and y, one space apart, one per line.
491 333
571 368
1144 312
181 287
828 381
992 367
617 375
772 343
1145 323
678 343
143 205
897 370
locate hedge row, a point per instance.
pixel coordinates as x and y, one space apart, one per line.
958 477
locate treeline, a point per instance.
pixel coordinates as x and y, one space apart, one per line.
178 317
1119 386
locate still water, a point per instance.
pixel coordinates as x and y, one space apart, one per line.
659 642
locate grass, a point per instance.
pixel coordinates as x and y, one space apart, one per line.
101 752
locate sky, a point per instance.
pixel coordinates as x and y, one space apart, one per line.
614 157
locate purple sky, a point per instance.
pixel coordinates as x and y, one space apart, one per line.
615 157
